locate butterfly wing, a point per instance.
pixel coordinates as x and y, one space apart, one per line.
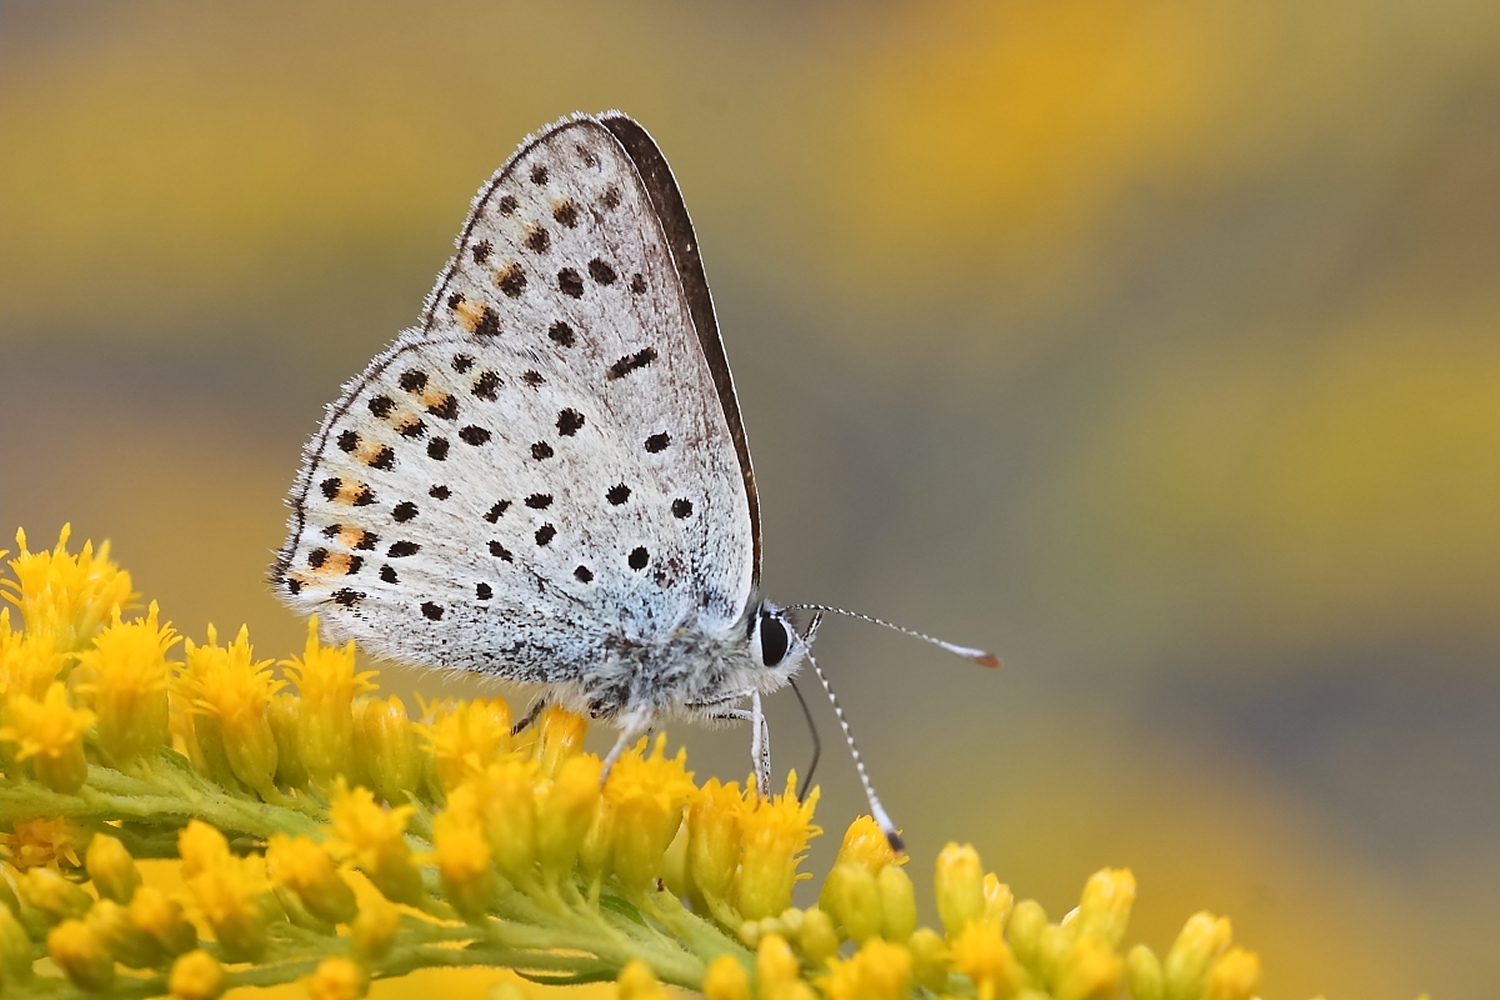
552 464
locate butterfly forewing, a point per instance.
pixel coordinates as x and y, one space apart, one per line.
548 465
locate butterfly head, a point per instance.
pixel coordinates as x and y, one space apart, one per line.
775 645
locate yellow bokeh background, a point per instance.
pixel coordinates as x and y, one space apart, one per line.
1155 345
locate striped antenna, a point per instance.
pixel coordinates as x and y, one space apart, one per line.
979 656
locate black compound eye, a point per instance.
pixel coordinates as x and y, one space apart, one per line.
774 640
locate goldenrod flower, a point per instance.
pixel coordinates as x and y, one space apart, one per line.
125 675
42 842
773 840
305 867
228 684
336 979
327 683
66 597
644 798
648 879
111 868
196 975
465 738
50 734
373 838
77 950
880 970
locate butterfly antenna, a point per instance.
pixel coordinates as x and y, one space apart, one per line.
877 811
817 744
979 656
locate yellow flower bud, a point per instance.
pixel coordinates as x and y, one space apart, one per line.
880 970
645 796
126 674
818 937
232 893
327 682
77 950
775 966
638 982
127 943
111 868
565 812
726 979
898 904
1088 967
998 901
1026 930
1143 974
468 737
929 960
510 818
50 734
713 845
980 953
959 886
337 978
65 594
46 891
1235 975
374 839
196 975
374 929
1202 939
1105 907
387 746
157 914
851 896
201 847
282 713
304 866
463 862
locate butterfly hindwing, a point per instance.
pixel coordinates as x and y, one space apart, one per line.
550 463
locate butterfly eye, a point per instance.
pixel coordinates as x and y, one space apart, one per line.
774 640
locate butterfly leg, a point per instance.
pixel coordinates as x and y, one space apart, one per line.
632 728
760 734
533 712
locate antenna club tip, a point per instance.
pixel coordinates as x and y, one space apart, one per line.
894 839
988 660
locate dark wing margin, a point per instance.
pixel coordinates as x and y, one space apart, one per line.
666 199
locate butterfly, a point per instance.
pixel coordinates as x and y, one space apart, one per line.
547 478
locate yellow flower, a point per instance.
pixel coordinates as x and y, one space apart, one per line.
898 904
505 804
726 979
773 838
560 736
126 674
466 738
374 929
980 953
111 868
777 975
77 950
36 843
232 893
50 733
637 982
303 866
196 975
865 844
130 946
336 978
29 661
228 684
1202 939
713 847
463 861
851 896
1088 967
46 890
959 886
644 799
880 970
1105 908
386 745
327 682
1235 975
155 913
63 596
374 839
566 808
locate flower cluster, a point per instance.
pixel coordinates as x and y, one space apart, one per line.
321 833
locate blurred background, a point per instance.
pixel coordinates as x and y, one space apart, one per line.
1154 345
